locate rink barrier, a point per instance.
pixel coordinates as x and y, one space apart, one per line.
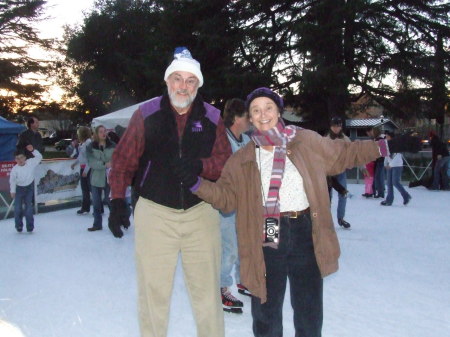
55 182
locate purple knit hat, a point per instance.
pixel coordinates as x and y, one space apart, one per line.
264 92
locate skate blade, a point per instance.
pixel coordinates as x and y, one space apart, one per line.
233 310
244 292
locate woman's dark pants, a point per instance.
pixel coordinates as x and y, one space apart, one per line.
294 259
85 191
97 204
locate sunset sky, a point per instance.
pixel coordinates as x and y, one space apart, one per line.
62 12
57 14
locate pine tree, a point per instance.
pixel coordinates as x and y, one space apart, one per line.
18 33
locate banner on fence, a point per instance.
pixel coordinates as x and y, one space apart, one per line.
5 170
55 179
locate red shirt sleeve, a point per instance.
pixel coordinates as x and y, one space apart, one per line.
212 166
125 158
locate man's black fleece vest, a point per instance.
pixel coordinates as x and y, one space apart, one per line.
155 180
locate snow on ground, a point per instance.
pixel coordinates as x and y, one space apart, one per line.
394 277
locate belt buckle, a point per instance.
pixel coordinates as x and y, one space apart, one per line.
293 214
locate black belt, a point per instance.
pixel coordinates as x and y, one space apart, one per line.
295 214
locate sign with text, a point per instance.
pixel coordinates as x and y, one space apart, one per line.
55 179
5 170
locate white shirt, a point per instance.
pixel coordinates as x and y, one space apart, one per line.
24 175
292 191
393 160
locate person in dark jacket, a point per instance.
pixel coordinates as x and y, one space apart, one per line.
441 159
177 127
380 172
31 136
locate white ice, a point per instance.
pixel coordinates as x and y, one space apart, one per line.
394 277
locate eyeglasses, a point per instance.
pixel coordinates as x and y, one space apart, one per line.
178 80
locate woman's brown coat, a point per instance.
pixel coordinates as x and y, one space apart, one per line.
239 188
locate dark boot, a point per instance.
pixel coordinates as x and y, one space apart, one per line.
343 223
407 200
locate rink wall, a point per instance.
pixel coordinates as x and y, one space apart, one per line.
56 186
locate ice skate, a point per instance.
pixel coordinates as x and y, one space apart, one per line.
243 290
230 303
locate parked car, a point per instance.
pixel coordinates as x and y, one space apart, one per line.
50 139
425 143
62 144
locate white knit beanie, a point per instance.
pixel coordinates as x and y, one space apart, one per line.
183 61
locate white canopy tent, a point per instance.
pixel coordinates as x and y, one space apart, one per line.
290 116
120 117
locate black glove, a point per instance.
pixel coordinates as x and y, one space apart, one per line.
404 143
187 170
118 217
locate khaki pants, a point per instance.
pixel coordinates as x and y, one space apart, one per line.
161 234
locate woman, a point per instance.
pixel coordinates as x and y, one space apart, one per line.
277 185
99 154
84 139
394 168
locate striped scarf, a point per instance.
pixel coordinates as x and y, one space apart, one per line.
279 136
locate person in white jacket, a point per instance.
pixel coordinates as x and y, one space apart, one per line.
84 138
394 167
21 182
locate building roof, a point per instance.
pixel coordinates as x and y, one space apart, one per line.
368 122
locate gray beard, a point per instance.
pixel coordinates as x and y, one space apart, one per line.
181 104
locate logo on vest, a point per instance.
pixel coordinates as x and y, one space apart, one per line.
197 126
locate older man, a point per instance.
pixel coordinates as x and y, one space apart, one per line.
177 127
